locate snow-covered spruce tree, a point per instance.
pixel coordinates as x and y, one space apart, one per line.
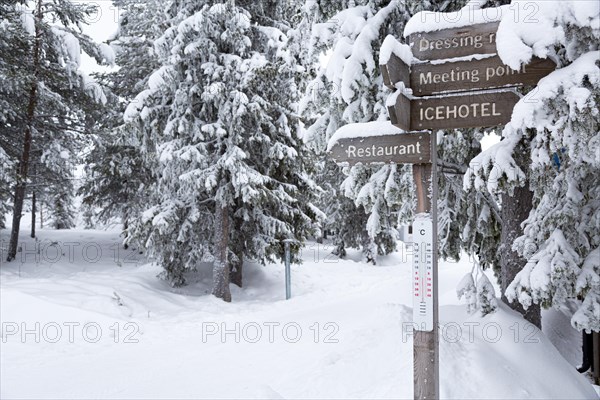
50 94
350 90
551 149
14 42
230 164
62 213
119 177
468 220
6 177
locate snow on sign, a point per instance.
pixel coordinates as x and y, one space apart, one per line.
456 42
470 110
423 274
426 79
402 148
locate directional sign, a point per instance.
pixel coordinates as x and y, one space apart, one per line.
489 73
455 42
469 110
404 148
423 274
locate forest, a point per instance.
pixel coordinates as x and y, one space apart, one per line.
203 135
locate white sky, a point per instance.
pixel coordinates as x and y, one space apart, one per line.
489 140
101 27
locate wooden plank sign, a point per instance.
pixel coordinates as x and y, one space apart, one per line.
471 110
403 148
488 73
463 111
455 42
399 112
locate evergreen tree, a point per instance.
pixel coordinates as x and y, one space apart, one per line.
350 90
6 176
230 167
468 220
47 97
118 176
550 150
62 213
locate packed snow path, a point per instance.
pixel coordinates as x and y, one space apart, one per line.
108 328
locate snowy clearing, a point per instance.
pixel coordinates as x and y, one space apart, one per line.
344 334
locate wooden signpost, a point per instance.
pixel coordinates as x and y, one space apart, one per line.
459 107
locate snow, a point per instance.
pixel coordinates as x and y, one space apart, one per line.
93 88
393 98
475 4
527 112
157 342
69 47
589 277
136 106
108 54
554 259
363 130
557 327
466 288
391 46
540 26
495 163
27 19
429 21
160 78
351 60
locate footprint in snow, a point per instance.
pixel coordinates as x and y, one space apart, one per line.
267 392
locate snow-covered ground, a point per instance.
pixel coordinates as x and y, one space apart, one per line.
108 328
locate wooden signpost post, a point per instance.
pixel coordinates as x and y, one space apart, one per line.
426 358
456 106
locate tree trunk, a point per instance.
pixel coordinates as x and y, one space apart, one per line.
41 215
515 210
221 266
33 211
369 249
23 169
235 276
